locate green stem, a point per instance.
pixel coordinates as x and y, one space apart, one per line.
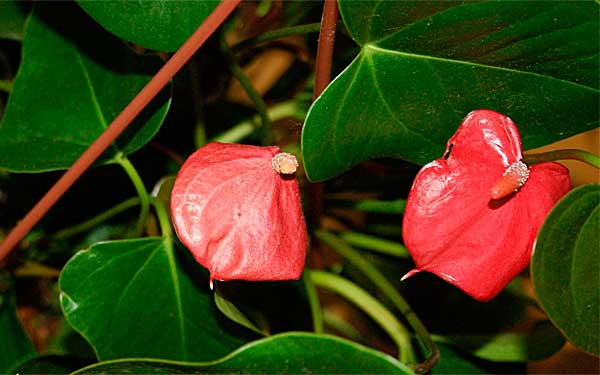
377 206
88 224
6 86
163 217
313 301
342 326
375 244
583 156
259 103
379 313
243 129
135 178
276 34
379 280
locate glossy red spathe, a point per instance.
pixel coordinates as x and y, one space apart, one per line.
452 225
239 217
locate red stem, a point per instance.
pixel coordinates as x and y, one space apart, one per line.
322 79
325 47
164 75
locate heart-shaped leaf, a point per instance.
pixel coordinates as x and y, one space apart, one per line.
455 229
138 298
154 24
565 266
424 65
289 353
70 85
15 346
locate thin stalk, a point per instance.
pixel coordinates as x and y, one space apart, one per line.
325 47
200 128
572 154
374 243
236 133
379 313
277 34
163 218
243 129
94 221
119 124
135 178
376 206
342 326
314 303
322 79
259 103
379 280
6 86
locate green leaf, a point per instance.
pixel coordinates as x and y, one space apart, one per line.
424 66
153 24
541 342
51 364
451 362
232 312
15 345
70 86
288 353
565 265
138 298
12 19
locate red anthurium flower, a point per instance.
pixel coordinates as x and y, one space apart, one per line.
237 209
472 216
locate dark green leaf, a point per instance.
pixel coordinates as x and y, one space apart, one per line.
15 346
12 19
70 86
154 24
51 364
541 342
232 312
424 65
565 266
289 353
138 298
451 362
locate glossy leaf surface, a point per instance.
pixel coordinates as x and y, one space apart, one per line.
424 65
15 346
290 353
70 86
565 266
153 24
149 300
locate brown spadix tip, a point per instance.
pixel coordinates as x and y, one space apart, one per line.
284 163
513 178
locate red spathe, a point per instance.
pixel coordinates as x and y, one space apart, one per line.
238 217
454 229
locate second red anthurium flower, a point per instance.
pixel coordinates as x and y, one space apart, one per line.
472 216
237 209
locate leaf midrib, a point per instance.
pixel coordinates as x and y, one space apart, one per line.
370 48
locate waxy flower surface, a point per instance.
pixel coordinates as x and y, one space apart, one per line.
472 216
237 209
